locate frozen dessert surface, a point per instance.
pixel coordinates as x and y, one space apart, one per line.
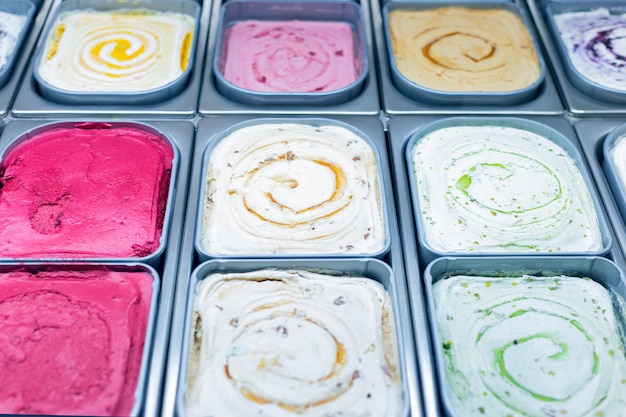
84 191
123 50
293 188
501 189
71 340
11 26
460 49
595 41
292 343
530 345
290 56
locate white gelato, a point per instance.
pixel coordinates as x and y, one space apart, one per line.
617 154
501 189
530 346
293 188
11 26
116 51
292 343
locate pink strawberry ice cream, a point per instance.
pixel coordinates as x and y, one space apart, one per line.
71 341
84 191
290 56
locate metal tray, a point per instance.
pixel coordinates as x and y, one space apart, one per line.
576 102
394 102
8 142
29 101
139 97
182 134
555 130
400 128
11 85
369 268
373 137
207 128
139 395
213 102
598 269
428 95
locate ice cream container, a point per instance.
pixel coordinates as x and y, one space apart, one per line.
83 332
16 17
456 207
548 333
277 52
588 40
373 271
284 187
89 173
123 45
471 66
613 165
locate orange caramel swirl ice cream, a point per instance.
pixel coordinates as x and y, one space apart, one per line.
460 49
121 50
293 188
292 343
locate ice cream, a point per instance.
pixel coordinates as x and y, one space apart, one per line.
84 191
595 43
292 343
72 340
531 346
462 49
617 153
11 26
290 56
499 189
293 188
121 50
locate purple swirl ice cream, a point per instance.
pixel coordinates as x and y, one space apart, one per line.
595 41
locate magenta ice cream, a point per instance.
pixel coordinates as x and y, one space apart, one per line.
595 42
71 341
84 191
290 56
11 26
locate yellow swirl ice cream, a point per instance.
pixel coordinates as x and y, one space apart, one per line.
292 343
293 188
121 50
501 189
463 49
530 346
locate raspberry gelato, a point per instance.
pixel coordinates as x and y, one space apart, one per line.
290 56
84 191
71 340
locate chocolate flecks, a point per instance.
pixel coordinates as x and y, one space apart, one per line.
341 300
369 395
356 158
282 331
234 322
366 236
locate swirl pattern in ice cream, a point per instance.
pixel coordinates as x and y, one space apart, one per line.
292 343
463 49
290 56
531 346
293 188
498 189
595 41
116 51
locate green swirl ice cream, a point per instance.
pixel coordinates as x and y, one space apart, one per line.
530 346
501 189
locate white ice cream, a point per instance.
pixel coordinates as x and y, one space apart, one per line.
11 26
501 189
292 343
293 188
530 346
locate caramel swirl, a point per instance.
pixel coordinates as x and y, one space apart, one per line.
288 188
463 49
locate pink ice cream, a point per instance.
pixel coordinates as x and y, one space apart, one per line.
88 191
71 341
290 56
